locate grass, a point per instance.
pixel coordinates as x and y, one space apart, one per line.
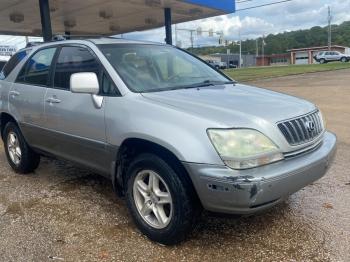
256 73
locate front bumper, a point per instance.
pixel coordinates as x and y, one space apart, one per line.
224 190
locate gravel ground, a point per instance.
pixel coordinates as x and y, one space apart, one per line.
63 213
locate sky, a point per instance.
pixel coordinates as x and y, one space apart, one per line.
254 23
249 24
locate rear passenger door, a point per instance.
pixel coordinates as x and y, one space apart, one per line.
328 56
337 56
26 96
76 126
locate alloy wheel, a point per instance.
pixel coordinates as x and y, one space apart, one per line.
153 199
14 148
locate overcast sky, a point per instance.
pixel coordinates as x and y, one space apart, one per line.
294 15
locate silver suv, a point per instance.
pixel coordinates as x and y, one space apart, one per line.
331 56
173 134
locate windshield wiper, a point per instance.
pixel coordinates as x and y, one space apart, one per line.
203 84
197 85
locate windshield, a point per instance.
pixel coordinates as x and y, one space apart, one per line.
151 68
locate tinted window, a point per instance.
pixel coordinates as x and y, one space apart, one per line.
36 70
12 63
72 60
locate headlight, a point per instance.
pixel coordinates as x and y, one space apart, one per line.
244 148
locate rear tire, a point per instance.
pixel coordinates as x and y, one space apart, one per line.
20 156
168 223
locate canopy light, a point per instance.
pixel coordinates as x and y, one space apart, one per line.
16 17
106 14
114 28
70 23
153 3
150 21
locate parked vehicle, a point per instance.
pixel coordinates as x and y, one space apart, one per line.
215 64
232 65
172 134
223 65
331 56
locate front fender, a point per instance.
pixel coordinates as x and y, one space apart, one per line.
182 134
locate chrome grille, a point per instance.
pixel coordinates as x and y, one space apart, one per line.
302 129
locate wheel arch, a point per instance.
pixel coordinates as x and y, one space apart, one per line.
131 147
4 119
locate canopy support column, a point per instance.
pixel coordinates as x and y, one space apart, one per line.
168 24
45 20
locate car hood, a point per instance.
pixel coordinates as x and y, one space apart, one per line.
234 105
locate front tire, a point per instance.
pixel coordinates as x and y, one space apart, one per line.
161 202
322 61
344 60
20 156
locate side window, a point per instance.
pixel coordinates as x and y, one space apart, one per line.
12 63
37 68
108 87
73 59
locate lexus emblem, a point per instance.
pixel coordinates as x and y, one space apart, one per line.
310 126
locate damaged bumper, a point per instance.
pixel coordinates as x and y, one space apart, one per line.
224 190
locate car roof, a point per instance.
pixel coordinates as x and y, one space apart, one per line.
112 40
96 41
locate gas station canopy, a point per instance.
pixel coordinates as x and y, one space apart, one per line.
102 17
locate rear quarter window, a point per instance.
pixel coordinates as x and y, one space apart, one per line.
37 68
12 63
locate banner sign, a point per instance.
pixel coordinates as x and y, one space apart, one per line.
6 50
228 6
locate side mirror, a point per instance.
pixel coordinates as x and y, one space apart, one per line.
85 83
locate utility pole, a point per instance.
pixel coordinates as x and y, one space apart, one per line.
240 53
192 38
257 47
263 50
329 28
240 49
176 40
197 31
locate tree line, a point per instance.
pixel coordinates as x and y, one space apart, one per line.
280 43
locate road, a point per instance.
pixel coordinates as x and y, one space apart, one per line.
63 212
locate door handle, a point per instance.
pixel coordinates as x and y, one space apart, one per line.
14 93
53 100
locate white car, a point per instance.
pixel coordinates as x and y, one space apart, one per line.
331 56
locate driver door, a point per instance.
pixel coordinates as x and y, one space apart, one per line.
76 126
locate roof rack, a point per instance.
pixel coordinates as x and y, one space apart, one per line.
31 44
69 37
77 37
